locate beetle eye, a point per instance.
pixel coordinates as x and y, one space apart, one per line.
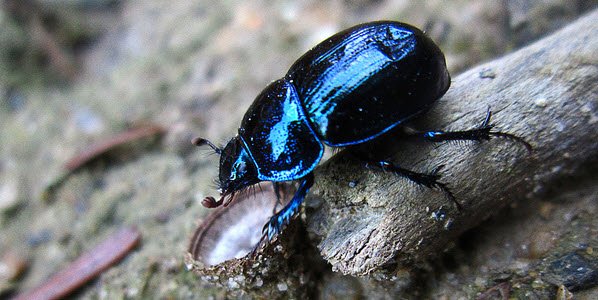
241 167
238 169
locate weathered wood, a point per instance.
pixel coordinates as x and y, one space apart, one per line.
365 221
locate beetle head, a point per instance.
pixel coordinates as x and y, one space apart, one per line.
237 171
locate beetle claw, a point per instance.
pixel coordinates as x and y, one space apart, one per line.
437 170
487 119
272 228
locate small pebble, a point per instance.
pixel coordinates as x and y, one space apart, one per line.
438 215
282 287
232 284
259 282
487 73
448 224
574 270
541 102
563 293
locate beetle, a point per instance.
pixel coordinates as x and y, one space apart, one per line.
345 92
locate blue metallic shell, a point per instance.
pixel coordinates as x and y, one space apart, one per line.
278 136
367 79
347 90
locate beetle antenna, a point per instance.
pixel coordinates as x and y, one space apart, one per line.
201 141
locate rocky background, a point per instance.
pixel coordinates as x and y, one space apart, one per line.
100 98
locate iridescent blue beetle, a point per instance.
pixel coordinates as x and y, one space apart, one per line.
347 91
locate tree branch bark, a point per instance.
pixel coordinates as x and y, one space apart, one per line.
366 221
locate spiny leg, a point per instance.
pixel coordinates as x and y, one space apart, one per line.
276 186
430 180
283 217
482 133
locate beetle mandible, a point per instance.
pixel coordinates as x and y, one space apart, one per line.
346 91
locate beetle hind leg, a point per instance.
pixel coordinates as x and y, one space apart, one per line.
429 180
481 133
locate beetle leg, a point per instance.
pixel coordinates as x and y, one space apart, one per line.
430 180
283 217
277 192
276 186
482 133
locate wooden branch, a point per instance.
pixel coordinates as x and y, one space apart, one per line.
366 221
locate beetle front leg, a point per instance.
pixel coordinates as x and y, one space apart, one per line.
482 133
283 217
276 186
